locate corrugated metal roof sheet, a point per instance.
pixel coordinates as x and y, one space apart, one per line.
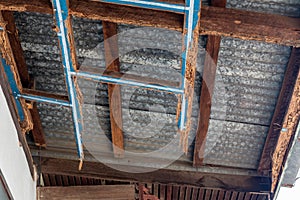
248 82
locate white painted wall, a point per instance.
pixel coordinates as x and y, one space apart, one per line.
13 163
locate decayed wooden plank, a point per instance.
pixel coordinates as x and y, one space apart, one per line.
246 25
12 34
284 101
120 192
110 31
98 170
7 53
16 46
290 122
208 82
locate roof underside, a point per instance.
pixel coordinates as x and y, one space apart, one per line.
248 83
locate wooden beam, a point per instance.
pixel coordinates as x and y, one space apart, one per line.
37 131
105 192
288 127
44 94
10 101
110 31
16 46
284 101
208 82
213 180
246 25
17 51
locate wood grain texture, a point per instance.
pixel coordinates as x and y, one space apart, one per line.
246 25
208 82
288 88
37 131
240 183
110 31
290 123
105 192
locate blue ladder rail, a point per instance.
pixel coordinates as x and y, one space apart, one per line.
191 10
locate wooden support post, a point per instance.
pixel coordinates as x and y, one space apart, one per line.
13 39
285 101
208 82
110 31
105 192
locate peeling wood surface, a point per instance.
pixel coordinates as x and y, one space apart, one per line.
190 73
246 25
110 31
16 46
8 55
289 125
284 100
98 170
105 192
208 82
7 92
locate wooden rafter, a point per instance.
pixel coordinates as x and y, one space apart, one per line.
284 122
246 25
208 82
110 31
13 39
241 183
104 192
285 100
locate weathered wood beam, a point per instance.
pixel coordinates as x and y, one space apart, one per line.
98 170
208 82
13 39
7 54
37 131
289 125
282 111
105 192
16 46
110 31
10 101
246 25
